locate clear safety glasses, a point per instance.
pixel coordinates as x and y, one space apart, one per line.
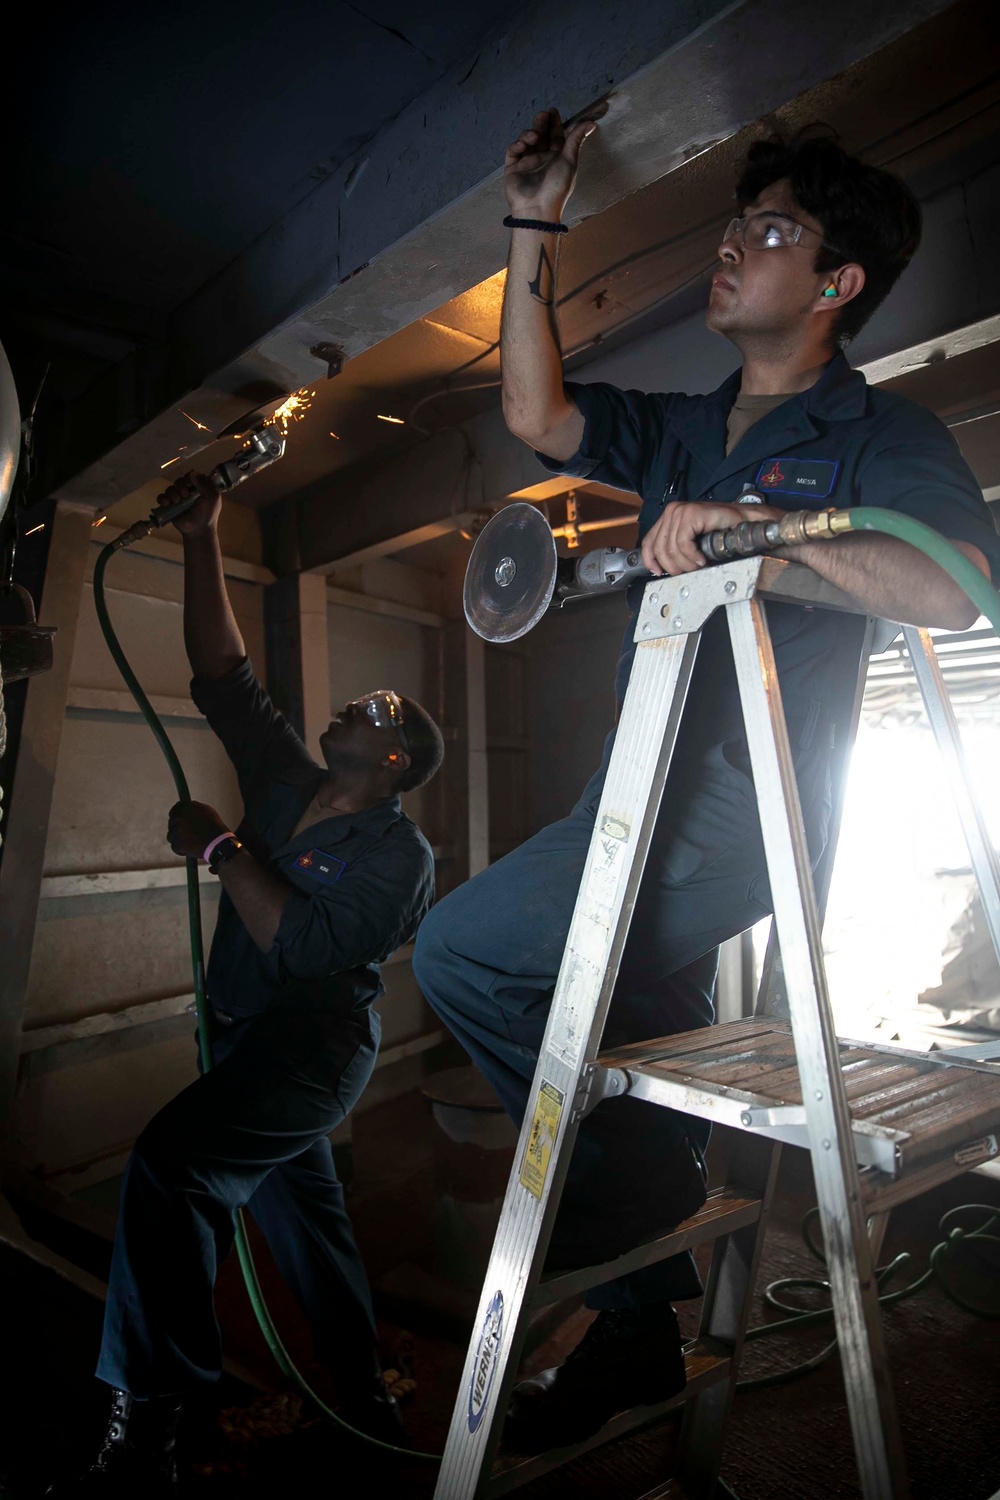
385 710
772 231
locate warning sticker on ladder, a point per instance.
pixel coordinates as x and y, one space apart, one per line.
544 1125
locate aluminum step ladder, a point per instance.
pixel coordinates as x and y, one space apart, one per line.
881 1124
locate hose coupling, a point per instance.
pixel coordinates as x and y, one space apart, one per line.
748 539
137 532
799 526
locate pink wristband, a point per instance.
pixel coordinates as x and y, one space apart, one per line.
207 856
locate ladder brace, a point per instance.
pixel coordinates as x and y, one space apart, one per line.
596 1085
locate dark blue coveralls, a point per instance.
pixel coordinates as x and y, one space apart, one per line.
295 1044
488 955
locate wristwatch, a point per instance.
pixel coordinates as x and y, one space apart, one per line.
224 852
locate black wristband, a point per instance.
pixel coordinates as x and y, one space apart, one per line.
542 225
224 852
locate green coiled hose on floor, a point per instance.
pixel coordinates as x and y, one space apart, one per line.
862 518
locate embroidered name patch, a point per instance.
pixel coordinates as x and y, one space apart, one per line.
814 477
325 867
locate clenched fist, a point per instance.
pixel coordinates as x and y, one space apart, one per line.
671 546
204 514
191 827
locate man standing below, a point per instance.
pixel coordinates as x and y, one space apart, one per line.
818 241
323 879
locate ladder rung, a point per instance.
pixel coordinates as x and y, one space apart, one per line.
724 1211
881 1193
704 1368
906 1107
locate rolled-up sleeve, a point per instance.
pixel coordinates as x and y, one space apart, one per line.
370 912
918 469
623 432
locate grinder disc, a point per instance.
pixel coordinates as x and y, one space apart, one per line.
511 574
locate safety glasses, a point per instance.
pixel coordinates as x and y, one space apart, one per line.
385 710
773 231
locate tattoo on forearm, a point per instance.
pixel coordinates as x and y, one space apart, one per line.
543 286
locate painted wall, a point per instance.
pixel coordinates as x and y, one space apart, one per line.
107 937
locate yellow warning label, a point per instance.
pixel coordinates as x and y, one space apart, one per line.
535 1167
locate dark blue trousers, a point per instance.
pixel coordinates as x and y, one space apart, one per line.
251 1133
488 955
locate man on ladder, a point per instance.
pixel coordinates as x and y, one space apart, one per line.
819 241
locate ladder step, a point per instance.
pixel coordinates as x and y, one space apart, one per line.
907 1108
724 1211
704 1366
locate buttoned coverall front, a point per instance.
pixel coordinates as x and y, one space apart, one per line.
488 955
294 1045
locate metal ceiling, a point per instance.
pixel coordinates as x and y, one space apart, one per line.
919 106
157 147
155 144
155 150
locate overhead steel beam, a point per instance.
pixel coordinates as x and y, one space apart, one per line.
933 350
375 510
413 218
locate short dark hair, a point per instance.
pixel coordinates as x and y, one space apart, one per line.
870 215
425 743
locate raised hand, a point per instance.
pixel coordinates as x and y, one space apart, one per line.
204 514
540 166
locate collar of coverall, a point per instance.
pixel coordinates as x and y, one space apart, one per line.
373 820
840 394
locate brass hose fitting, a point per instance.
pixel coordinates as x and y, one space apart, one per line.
800 526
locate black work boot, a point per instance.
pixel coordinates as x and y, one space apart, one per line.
625 1359
137 1460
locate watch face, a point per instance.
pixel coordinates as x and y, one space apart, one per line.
224 852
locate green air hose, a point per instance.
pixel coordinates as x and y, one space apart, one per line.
261 1313
965 573
829 525
983 1242
750 538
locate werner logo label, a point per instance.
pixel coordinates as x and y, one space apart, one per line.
487 1358
814 477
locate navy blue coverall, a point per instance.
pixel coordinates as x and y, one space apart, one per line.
488 955
295 1043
